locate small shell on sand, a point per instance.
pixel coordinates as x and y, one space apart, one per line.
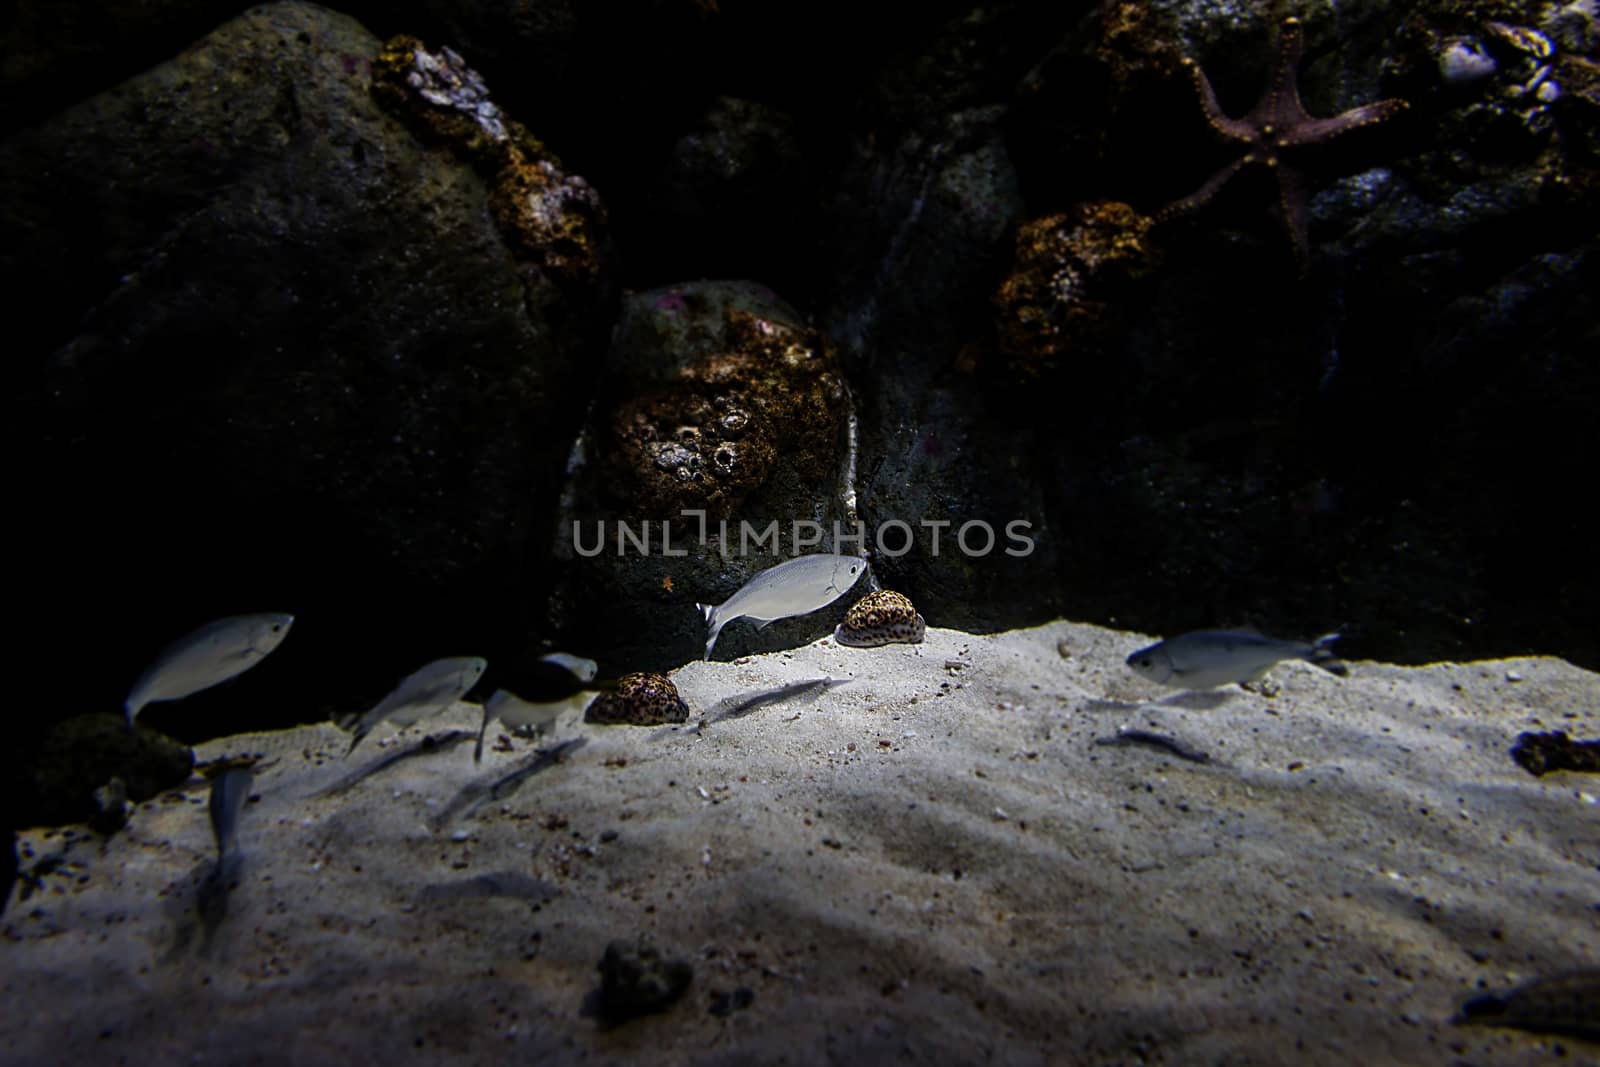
881 618
639 700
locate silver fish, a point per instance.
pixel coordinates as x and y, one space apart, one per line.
229 791
206 657
795 587
514 712
425 692
584 670
1206 659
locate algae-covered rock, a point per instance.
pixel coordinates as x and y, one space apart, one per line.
82 756
1071 285
718 402
551 219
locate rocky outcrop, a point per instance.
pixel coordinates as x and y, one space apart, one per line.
280 353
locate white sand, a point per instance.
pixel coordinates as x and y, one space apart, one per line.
932 864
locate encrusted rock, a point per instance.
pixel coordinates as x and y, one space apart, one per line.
89 766
716 431
641 699
1069 271
549 216
881 618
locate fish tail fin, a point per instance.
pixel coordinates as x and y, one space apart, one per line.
131 711
1323 655
477 753
361 732
708 615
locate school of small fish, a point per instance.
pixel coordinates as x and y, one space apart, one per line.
1204 659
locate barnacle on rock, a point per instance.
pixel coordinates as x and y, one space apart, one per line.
553 216
641 699
1463 60
720 428
1069 269
881 618
1574 26
437 93
547 215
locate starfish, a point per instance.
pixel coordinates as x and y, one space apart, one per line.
1278 122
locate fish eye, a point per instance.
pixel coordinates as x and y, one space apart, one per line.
1145 662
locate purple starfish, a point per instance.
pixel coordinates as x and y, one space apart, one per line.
1279 121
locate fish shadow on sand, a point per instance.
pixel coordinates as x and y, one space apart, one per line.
1176 746
474 796
203 911
1188 700
1198 699
737 707
742 704
504 885
427 746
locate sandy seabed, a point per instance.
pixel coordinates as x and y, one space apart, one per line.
933 863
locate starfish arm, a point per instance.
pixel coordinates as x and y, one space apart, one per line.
1232 129
1280 105
1295 203
1199 197
1315 131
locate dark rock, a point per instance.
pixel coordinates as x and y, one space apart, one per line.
1217 441
724 1003
736 195
59 51
1544 753
278 342
1560 1004
111 808
1071 287
717 401
72 772
638 700
636 978
926 232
